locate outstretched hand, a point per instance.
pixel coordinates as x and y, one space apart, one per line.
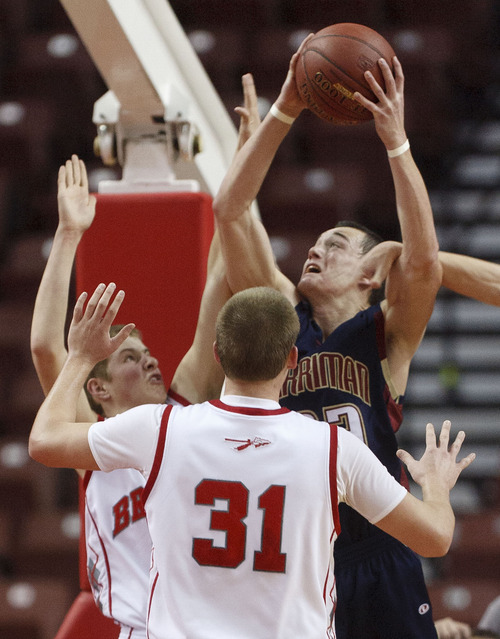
76 206
388 111
249 112
438 465
88 337
448 628
289 101
378 261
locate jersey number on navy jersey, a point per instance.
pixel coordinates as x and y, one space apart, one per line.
346 416
272 501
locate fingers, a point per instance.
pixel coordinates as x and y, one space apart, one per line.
118 339
73 172
430 436
405 457
75 165
94 300
61 178
390 85
83 174
78 310
398 73
466 461
249 93
457 444
114 306
295 57
444 435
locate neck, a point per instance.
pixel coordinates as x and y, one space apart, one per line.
260 390
329 316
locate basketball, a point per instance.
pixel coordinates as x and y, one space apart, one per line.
332 66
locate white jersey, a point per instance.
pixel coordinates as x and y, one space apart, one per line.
118 546
241 500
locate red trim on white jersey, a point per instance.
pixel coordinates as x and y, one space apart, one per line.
151 595
86 478
247 410
177 398
334 498
106 559
160 447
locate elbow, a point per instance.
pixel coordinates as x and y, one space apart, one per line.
220 208
38 451
35 449
437 544
429 271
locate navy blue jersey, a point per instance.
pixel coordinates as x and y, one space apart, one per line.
341 380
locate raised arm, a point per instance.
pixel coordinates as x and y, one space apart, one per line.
198 376
427 525
76 208
472 277
245 244
413 283
57 438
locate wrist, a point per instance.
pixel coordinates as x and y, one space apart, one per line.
399 150
290 108
69 233
280 115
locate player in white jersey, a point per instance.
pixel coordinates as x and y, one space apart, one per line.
118 545
117 539
241 494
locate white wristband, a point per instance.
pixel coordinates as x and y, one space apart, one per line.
393 153
281 116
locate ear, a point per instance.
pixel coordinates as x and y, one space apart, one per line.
97 388
216 353
293 358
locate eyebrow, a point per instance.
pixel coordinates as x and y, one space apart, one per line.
129 349
336 233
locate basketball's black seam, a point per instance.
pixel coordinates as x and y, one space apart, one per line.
335 65
333 35
320 96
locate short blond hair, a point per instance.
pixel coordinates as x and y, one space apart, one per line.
256 330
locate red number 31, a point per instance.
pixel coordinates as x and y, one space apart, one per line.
272 501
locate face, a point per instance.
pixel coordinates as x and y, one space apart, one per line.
134 376
333 263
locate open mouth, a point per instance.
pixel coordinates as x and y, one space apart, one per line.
156 378
312 268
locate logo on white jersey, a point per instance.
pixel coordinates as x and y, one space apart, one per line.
242 444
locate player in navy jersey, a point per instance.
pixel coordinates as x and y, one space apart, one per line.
354 355
259 564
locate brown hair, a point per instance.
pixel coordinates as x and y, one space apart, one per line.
256 330
370 240
100 370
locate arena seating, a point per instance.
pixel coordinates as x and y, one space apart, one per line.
321 174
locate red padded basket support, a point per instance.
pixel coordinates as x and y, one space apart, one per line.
154 247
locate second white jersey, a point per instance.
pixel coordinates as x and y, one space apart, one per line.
242 509
118 546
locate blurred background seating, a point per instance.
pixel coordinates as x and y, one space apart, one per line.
322 173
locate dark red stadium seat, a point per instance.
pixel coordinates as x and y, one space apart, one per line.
26 133
32 608
321 13
47 546
463 599
250 14
223 52
475 551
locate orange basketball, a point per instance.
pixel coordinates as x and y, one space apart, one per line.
332 66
